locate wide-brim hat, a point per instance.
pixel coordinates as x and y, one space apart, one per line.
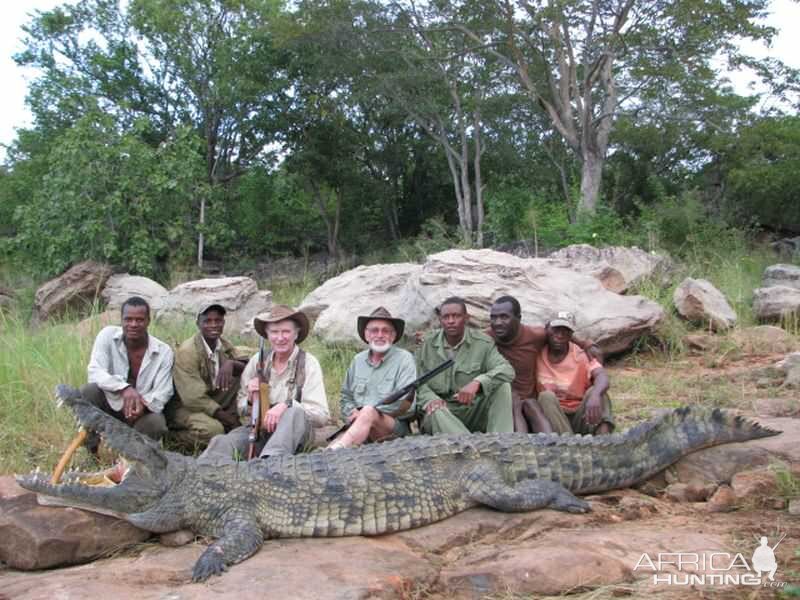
281 312
384 315
563 319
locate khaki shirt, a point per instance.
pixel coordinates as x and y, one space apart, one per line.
475 357
313 399
366 384
109 366
195 373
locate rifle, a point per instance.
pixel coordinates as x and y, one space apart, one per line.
260 404
402 392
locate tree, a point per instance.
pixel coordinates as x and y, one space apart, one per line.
110 196
583 62
206 64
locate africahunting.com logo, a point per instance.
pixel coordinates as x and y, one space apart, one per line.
714 568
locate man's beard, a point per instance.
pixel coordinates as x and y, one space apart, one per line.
380 348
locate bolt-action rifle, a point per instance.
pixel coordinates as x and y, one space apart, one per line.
403 392
260 405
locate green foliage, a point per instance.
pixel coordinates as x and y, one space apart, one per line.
515 212
109 196
275 215
764 176
435 236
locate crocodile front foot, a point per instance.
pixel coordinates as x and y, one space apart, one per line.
211 562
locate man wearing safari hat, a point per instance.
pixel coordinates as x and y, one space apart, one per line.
297 400
206 375
571 384
373 375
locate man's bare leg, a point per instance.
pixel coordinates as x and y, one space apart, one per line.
535 417
369 424
520 422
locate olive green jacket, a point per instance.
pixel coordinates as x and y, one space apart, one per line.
193 374
476 359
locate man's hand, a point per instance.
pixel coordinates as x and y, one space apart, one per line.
133 405
435 405
225 375
273 417
467 394
229 420
594 409
353 415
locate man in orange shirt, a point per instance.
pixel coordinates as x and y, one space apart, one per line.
571 385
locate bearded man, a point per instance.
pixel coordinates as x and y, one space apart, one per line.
372 376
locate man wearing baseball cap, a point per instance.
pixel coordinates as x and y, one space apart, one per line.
206 375
571 384
373 375
297 400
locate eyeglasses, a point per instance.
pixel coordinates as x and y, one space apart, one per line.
385 330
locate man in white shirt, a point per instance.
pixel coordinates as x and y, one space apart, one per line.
130 373
297 400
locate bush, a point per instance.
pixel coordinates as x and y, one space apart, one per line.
515 212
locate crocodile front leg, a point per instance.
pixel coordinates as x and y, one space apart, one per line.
483 484
241 538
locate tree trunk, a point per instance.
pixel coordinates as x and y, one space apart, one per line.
591 178
200 239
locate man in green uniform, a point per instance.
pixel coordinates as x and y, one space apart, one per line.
473 396
206 376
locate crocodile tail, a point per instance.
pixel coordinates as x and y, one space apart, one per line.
654 445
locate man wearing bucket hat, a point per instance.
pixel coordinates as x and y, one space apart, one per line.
571 384
207 374
297 400
373 375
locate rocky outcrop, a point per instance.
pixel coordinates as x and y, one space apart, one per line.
239 295
76 291
787 247
121 287
776 302
699 301
39 537
618 268
779 294
788 275
479 276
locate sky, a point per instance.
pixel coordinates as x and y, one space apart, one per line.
13 113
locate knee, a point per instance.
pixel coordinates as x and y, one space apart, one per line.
92 393
368 414
548 400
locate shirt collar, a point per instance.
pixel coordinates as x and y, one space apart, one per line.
209 352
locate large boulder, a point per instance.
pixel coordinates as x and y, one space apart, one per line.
121 287
776 302
76 291
618 268
39 537
239 295
699 301
479 276
788 275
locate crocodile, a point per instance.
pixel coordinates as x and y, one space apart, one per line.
374 489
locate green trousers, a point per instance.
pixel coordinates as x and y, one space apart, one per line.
563 422
487 414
